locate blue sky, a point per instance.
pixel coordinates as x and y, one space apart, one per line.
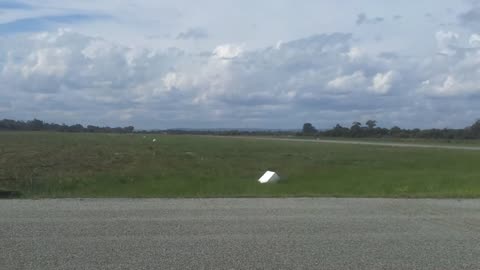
273 64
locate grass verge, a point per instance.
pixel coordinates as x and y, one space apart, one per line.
41 165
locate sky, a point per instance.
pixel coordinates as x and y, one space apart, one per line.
272 64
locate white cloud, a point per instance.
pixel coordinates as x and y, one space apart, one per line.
446 41
455 74
349 82
47 61
474 40
81 78
279 44
176 81
448 87
228 51
451 86
96 48
355 53
382 82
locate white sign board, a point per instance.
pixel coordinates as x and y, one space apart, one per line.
269 177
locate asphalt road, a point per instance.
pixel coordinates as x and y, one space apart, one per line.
240 234
388 144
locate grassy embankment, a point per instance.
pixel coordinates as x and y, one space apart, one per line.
105 165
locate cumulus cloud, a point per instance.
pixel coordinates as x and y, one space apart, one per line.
351 82
451 87
65 76
228 51
355 53
382 82
447 41
474 40
175 81
454 74
75 66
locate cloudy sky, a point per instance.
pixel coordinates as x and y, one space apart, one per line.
241 63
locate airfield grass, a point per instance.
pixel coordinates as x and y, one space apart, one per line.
58 165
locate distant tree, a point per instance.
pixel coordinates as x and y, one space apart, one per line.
91 128
371 130
75 128
356 129
35 124
129 129
395 131
371 124
356 124
475 128
309 129
338 131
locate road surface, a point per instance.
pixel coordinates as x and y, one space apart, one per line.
388 144
292 233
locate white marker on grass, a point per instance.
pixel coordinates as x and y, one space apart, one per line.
269 177
154 140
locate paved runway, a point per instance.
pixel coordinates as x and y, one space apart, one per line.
240 234
369 143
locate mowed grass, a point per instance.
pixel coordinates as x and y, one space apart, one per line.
109 165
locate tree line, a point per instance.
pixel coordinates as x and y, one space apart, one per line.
356 130
371 130
39 125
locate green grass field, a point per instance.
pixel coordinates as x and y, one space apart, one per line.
106 165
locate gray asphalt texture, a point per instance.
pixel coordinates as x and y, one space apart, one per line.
372 143
293 233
